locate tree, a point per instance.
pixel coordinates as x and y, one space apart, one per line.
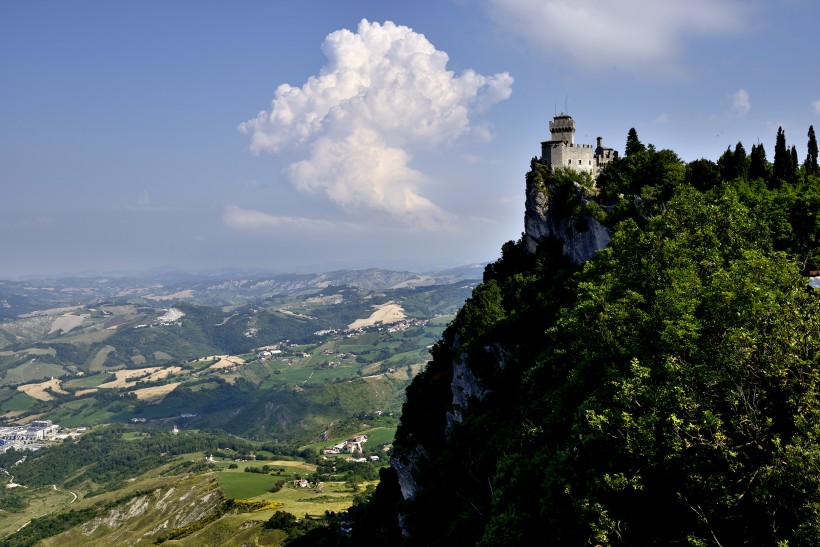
633 144
726 164
741 160
811 156
281 520
782 159
735 164
758 166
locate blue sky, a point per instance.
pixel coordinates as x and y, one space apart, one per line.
293 136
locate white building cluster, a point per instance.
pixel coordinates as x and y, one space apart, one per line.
30 436
353 444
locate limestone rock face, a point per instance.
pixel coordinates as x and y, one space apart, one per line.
541 221
406 468
465 385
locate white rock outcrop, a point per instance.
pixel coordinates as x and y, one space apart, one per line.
540 221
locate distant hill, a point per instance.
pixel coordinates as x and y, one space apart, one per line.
22 297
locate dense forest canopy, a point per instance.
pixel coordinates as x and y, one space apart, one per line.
665 392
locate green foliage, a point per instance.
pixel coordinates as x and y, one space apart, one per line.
811 167
102 457
12 500
703 174
759 167
281 520
633 144
480 312
784 170
667 393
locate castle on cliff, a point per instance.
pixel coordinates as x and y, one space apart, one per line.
561 150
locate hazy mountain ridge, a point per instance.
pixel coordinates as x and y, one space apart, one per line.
22 297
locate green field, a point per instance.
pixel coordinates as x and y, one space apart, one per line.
380 435
86 382
21 401
32 371
238 484
98 361
332 496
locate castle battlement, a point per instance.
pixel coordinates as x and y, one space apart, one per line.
561 150
568 145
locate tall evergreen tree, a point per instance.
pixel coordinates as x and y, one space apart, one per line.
782 159
795 164
811 156
633 144
758 166
741 161
726 164
734 165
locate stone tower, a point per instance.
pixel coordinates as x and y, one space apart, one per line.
562 128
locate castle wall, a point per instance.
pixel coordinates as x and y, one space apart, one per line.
579 157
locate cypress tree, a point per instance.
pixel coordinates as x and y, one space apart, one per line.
726 164
633 144
811 157
758 168
741 161
795 164
782 159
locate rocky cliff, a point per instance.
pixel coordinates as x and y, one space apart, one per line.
581 236
452 432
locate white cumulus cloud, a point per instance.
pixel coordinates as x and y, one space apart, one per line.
815 105
740 102
631 34
351 131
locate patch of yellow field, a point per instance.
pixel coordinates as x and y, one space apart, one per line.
149 374
226 361
124 375
81 392
38 391
156 391
384 314
164 373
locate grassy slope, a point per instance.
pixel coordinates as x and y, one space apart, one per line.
156 503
